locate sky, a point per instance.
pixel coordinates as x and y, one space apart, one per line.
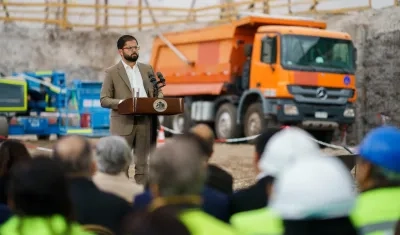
85 16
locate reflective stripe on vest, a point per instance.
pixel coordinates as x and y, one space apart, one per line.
385 228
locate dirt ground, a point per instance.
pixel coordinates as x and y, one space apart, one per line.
235 158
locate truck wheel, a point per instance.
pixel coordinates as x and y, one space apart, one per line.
3 127
43 137
255 122
187 119
178 123
225 122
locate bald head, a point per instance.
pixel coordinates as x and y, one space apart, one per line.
75 153
205 133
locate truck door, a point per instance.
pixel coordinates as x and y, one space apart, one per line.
264 64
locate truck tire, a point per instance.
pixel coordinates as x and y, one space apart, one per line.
255 122
225 122
43 137
178 123
3 127
187 118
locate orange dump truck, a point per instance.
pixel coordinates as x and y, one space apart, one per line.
260 72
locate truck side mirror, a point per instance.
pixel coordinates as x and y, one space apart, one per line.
268 50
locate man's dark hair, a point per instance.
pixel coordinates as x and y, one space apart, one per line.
263 139
125 38
39 187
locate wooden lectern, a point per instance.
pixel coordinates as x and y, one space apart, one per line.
151 106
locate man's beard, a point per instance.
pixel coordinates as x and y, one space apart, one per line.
131 58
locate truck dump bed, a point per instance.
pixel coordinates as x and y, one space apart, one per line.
216 55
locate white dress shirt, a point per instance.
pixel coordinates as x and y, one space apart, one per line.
135 78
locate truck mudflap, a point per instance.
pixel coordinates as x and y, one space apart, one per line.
314 116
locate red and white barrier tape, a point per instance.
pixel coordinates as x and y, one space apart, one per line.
244 139
233 140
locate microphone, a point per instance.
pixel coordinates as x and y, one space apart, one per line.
153 80
162 80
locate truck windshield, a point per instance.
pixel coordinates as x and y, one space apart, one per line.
317 54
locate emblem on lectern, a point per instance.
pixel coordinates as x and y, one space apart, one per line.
160 105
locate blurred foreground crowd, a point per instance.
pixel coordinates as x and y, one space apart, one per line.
83 189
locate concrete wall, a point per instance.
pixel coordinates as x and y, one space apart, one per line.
376 35
82 55
85 55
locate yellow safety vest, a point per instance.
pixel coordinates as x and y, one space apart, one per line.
377 211
200 223
54 225
260 221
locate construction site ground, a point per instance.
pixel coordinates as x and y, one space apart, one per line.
235 158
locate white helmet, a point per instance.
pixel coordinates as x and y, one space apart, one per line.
285 147
319 188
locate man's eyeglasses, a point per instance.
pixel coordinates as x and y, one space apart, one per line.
134 48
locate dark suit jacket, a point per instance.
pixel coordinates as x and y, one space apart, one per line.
92 206
219 179
251 198
214 203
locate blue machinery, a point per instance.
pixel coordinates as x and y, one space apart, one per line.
42 104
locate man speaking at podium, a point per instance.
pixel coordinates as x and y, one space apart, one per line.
139 131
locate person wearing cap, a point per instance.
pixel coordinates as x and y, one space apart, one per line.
378 175
314 196
283 148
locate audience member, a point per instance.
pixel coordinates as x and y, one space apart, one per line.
11 152
314 196
218 178
254 196
91 205
378 176
114 156
214 202
283 149
177 178
38 195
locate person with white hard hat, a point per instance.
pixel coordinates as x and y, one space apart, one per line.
378 175
284 148
315 196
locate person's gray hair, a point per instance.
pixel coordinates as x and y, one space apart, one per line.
178 168
113 154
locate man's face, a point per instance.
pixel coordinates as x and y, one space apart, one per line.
130 51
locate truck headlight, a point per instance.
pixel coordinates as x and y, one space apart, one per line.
290 109
349 112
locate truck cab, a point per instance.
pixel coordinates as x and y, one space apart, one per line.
305 75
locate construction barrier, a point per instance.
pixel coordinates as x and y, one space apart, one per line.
161 141
245 139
